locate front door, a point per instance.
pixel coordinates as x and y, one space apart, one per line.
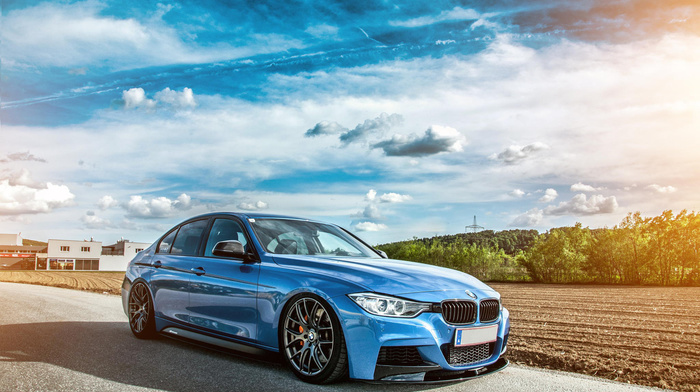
223 290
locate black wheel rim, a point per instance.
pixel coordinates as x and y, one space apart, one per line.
139 305
309 338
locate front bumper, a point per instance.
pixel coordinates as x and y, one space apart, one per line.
428 333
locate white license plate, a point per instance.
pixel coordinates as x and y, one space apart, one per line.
476 335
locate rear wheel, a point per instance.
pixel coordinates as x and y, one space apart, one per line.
141 318
311 340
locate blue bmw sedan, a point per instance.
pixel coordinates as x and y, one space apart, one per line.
332 305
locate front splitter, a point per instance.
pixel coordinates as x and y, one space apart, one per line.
443 376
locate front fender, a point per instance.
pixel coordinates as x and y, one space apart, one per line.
278 284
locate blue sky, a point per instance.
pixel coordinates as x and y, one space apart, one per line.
393 119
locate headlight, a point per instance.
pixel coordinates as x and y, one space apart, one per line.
384 305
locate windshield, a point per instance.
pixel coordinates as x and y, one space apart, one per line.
288 236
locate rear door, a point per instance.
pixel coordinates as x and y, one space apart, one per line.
173 266
223 290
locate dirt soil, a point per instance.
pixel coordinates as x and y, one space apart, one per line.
641 335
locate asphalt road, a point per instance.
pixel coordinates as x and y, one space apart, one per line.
54 339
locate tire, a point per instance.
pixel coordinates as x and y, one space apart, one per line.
141 318
311 340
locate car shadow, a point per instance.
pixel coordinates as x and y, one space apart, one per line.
109 351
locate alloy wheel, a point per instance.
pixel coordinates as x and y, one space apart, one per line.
139 308
308 336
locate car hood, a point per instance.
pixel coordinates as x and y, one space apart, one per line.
408 279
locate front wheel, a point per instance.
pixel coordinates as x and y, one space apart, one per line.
141 318
311 340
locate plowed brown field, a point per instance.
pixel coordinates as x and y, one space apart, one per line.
100 282
641 335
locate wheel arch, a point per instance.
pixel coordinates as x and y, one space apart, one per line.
281 309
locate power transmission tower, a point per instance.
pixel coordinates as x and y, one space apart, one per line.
474 228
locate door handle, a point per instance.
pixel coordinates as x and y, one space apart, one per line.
157 264
198 271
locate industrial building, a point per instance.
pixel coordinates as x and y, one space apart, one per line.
66 255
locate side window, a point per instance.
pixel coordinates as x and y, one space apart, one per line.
224 230
288 243
164 246
187 240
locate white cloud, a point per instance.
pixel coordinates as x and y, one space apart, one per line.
23 177
106 202
22 195
516 193
457 13
529 219
258 205
92 221
549 196
437 139
377 125
394 198
21 156
136 98
581 205
370 226
578 205
71 34
79 35
580 187
159 207
371 195
183 202
178 99
370 212
325 128
662 189
514 154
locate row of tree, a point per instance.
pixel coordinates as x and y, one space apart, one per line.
663 250
510 241
487 255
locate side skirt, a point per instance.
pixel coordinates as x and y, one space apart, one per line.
183 334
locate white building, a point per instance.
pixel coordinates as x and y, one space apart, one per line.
74 255
67 255
11 239
116 257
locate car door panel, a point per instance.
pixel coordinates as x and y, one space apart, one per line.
170 285
223 293
172 270
223 298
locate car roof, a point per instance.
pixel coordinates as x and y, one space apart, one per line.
252 215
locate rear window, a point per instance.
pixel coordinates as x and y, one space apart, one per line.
165 243
188 238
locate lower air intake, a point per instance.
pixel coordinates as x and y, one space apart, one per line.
468 355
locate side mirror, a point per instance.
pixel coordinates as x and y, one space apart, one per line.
229 249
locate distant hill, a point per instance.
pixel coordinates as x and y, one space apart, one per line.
33 243
510 241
